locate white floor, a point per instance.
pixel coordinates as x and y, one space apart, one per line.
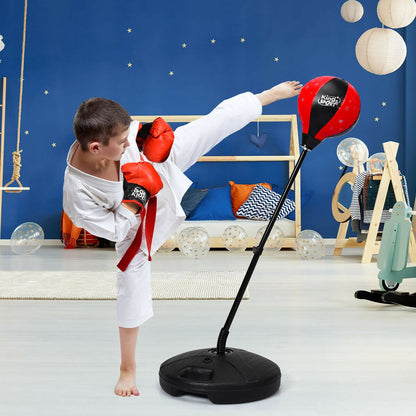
338 355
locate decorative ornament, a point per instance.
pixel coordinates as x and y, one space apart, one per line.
1 43
259 139
235 238
194 242
275 240
352 11
181 236
396 13
376 162
352 152
310 245
380 51
27 238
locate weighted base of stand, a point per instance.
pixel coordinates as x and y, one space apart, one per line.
238 376
400 298
381 296
373 296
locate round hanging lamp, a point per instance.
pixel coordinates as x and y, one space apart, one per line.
380 51
396 13
352 11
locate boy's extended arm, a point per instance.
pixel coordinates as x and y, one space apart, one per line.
195 139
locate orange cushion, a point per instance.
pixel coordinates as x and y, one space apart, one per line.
240 192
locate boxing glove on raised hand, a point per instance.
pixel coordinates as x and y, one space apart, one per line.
141 181
156 140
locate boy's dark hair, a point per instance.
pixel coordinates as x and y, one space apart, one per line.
98 119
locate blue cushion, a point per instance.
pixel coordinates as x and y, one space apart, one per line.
191 200
261 203
216 205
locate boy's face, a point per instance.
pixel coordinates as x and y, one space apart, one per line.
116 146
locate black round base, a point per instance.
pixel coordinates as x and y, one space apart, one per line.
237 376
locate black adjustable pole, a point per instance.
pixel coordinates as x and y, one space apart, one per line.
222 338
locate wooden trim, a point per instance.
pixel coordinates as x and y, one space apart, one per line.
246 158
217 242
188 118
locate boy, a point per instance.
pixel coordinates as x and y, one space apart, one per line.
124 182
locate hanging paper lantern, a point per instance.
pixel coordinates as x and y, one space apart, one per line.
328 106
396 13
380 51
352 11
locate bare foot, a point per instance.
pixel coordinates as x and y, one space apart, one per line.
126 385
287 89
281 91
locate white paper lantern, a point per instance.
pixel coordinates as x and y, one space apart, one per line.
396 13
352 11
380 51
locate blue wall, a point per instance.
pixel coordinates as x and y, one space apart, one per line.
76 49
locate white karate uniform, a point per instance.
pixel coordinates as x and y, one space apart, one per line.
94 204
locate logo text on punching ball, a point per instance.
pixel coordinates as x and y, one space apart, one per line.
329 100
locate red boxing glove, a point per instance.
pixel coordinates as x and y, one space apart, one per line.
156 140
141 181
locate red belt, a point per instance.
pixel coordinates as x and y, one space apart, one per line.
150 220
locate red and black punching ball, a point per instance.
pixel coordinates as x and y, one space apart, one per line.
328 106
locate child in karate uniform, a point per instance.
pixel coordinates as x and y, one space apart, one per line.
124 182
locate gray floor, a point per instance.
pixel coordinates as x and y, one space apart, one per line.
338 355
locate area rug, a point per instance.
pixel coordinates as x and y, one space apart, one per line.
87 285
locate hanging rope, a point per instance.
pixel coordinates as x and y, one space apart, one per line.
16 154
16 172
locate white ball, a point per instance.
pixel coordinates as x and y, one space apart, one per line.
234 238
194 242
310 245
27 238
376 162
352 152
275 240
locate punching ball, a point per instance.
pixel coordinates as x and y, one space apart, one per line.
328 106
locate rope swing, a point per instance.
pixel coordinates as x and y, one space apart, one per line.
16 154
